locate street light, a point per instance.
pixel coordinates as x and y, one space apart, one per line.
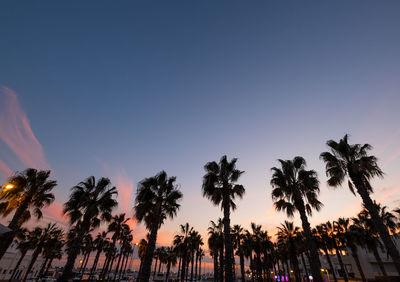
8 186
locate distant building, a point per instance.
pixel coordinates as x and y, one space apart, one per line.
10 259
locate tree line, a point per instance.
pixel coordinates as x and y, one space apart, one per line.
295 189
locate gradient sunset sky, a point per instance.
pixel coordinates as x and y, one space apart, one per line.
126 89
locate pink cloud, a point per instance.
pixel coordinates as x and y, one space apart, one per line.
16 132
5 168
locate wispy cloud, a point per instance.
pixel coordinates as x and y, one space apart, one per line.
5 168
16 132
124 184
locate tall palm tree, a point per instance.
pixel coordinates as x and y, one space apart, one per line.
287 233
27 192
297 189
352 161
89 204
157 198
41 237
238 236
220 188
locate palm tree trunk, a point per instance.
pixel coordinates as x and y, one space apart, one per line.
159 267
48 265
227 240
145 273
304 263
354 254
7 238
35 255
288 271
221 265
95 262
295 262
155 267
376 219
216 267
123 264
379 261
339 256
330 263
126 264
252 267
197 260
191 272
18 264
187 269
105 266
118 263
200 269
242 266
179 267
168 269
41 271
111 266
183 267
315 263
85 263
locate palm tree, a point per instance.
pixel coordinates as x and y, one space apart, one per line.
40 238
170 260
99 243
220 188
354 162
334 232
27 192
52 249
89 204
365 227
86 249
201 254
238 236
24 244
324 241
215 232
287 233
156 199
350 236
142 249
295 188
214 242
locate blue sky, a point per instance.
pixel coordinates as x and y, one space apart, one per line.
126 89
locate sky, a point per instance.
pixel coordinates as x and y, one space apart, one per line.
127 89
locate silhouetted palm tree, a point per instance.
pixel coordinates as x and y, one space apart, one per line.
287 233
238 236
157 198
30 191
89 204
220 188
24 244
295 188
99 243
170 259
40 238
353 161
324 241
